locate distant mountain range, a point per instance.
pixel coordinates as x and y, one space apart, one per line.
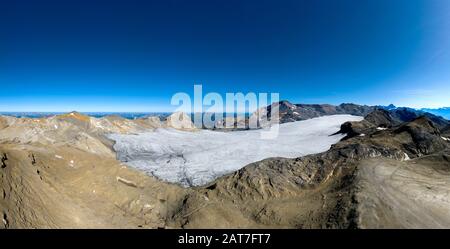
295 112
444 112
288 113
127 115
406 114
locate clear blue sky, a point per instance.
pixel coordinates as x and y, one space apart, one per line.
134 55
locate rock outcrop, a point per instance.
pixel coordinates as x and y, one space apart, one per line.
420 137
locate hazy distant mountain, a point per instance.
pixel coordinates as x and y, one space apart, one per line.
127 115
389 107
444 111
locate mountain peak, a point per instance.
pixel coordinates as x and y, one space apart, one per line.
391 106
74 115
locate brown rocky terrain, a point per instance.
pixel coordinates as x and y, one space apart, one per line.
61 172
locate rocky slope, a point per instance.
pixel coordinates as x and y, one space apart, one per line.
64 187
338 188
384 175
61 171
446 131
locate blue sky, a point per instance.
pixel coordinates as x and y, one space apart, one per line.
134 55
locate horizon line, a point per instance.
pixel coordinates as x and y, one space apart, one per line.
172 111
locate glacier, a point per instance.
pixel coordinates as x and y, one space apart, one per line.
193 158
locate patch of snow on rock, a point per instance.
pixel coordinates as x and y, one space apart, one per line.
196 158
381 128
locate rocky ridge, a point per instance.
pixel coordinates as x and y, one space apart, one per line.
289 112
